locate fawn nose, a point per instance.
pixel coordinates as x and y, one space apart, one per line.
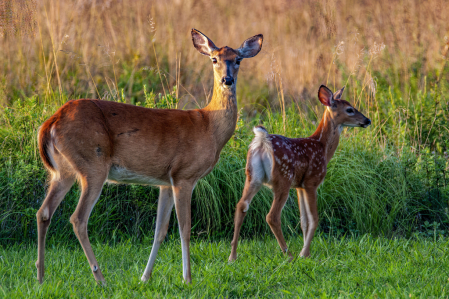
367 122
227 80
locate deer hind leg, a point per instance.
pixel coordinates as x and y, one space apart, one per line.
251 188
302 211
164 208
91 186
311 212
182 193
274 216
59 186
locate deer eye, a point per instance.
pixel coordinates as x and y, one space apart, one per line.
350 110
214 60
238 61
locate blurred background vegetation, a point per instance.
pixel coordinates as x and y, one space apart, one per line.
390 179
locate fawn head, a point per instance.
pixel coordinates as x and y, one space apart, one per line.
341 111
226 61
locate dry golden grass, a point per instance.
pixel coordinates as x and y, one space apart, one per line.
86 47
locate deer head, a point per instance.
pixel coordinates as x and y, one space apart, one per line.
226 61
341 111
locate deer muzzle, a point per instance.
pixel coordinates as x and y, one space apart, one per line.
366 123
229 81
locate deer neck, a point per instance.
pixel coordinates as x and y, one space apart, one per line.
222 111
328 133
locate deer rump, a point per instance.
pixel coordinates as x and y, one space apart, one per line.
138 145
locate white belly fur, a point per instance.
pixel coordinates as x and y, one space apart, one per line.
122 175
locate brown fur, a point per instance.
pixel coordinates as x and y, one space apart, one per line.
299 163
44 140
95 141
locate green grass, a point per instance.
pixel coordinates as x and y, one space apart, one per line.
387 186
339 267
373 185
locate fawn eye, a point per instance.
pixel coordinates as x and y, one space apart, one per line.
214 60
238 61
350 110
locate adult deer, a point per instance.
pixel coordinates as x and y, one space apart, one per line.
96 141
283 163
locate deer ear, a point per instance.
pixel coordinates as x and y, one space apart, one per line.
325 96
202 43
338 94
251 47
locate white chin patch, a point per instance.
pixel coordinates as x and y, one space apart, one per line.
351 125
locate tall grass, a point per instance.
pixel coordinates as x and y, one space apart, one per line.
391 55
369 188
97 48
390 179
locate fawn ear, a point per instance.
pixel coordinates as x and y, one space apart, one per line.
251 47
202 43
338 94
325 96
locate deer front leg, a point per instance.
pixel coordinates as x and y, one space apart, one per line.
311 212
164 208
182 193
302 211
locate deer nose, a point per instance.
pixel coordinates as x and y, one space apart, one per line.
367 122
227 80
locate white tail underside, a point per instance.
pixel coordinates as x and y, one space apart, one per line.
261 156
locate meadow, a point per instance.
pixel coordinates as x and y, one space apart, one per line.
387 186
363 267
